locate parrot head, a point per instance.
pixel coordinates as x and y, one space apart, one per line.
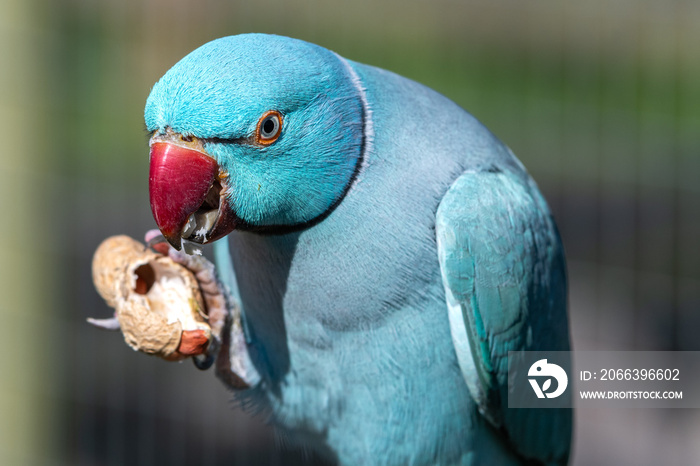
252 132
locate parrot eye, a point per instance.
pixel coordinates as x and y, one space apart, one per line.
269 127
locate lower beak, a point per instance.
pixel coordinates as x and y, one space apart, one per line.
186 192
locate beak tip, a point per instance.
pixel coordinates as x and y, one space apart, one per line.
175 241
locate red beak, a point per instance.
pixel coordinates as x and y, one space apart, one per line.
180 180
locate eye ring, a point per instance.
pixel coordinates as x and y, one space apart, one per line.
269 128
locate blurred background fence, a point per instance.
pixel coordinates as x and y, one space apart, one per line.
599 99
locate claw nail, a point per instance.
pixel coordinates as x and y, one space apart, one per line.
155 241
106 324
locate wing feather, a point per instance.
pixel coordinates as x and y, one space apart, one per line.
503 269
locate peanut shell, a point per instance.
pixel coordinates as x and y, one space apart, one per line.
155 298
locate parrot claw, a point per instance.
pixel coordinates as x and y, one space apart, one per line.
209 358
107 324
191 257
204 363
228 348
156 241
153 240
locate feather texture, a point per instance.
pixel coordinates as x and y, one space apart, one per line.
504 275
338 274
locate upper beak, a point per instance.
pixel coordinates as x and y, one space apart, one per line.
187 191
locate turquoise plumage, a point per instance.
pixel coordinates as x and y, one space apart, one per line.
386 252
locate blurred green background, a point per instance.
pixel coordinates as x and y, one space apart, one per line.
599 99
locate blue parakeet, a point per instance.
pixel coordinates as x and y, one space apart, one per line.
381 249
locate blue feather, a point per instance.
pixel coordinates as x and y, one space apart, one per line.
339 272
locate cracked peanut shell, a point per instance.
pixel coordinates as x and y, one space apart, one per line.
158 302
